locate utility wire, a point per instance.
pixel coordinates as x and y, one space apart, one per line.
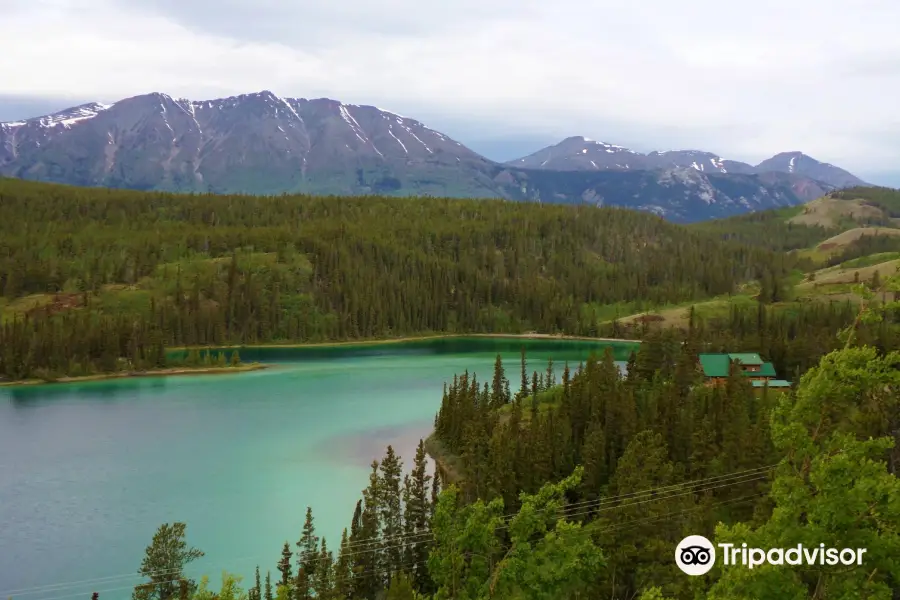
593 506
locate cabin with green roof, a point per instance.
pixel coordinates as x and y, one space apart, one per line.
715 369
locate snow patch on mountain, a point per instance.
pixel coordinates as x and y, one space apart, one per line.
402 145
69 117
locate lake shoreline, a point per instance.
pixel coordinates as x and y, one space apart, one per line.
287 346
422 338
135 374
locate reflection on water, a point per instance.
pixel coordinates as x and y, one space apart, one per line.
110 389
471 346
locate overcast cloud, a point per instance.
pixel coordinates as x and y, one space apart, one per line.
745 79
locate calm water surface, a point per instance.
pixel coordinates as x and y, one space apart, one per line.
89 471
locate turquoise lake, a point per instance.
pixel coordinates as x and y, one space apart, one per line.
89 471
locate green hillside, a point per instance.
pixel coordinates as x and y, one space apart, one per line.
92 275
833 243
101 280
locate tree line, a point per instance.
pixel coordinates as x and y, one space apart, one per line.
89 276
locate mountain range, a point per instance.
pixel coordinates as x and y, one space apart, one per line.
583 154
262 143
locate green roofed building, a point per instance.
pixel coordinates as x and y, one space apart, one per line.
715 368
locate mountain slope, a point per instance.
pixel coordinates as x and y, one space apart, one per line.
801 164
258 143
264 144
579 153
582 154
678 194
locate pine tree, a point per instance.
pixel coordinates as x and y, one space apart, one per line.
435 489
307 558
418 515
631 373
523 391
164 562
323 581
369 565
391 516
550 379
498 393
595 466
343 575
284 566
268 590
257 588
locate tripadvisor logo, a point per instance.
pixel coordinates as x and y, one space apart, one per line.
696 555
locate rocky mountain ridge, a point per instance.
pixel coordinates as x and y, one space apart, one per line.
262 143
578 153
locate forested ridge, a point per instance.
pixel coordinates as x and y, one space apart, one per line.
775 229
98 279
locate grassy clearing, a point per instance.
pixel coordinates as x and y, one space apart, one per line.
849 276
832 212
845 238
678 316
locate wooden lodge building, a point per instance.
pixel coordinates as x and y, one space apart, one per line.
715 369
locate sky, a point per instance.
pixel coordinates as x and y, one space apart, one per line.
745 79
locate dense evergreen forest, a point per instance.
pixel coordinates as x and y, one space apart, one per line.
99 280
768 229
582 488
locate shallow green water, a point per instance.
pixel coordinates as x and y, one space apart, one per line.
89 471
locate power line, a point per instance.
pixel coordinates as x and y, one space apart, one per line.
581 531
593 506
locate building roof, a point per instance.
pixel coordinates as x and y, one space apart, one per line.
714 365
717 365
766 370
772 383
747 358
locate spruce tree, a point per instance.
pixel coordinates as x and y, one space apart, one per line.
435 489
523 391
284 566
391 516
418 515
307 558
323 579
550 379
498 391
369 565
343 575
